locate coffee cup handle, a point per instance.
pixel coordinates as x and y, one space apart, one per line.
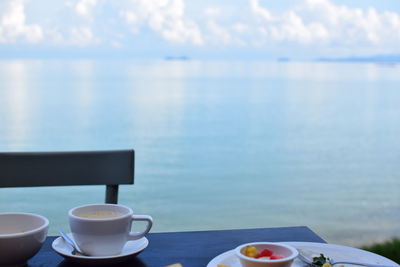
137 235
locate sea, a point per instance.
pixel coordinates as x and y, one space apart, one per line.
219 144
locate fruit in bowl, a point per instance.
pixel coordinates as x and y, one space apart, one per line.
21 237
266 254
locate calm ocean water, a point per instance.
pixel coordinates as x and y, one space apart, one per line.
219 145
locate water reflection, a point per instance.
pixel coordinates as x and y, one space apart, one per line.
84 92
17 104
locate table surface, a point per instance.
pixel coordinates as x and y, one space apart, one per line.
191 249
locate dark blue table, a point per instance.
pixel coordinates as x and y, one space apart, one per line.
191 249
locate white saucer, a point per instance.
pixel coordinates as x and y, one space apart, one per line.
131 249
335 251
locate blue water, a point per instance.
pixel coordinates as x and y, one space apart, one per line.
219 145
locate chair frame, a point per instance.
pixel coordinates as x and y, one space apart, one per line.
30 169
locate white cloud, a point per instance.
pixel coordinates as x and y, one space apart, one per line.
79 31
351 26
82 36
84 7
321 22
164 17
15 29
240 28
13 26
212 11
292 27
132 20
311 23
258 10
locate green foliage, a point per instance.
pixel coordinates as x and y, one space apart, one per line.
389 249
321 260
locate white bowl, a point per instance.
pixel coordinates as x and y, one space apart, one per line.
289 253
21 237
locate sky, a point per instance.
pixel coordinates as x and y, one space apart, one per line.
235 29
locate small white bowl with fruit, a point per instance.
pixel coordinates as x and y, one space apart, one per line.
266 254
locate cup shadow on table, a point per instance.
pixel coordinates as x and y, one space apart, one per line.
134 262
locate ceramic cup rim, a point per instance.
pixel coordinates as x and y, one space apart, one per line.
128 213
292 256
43 226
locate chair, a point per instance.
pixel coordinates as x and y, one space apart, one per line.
27 169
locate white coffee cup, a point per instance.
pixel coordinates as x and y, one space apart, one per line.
104 229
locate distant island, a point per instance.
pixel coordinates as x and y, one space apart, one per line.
372 59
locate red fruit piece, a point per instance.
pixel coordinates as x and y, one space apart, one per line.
265 253
277 256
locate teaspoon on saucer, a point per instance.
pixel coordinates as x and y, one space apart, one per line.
75 249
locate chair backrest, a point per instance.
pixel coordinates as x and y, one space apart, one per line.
110 168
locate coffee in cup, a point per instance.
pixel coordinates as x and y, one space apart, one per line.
104 229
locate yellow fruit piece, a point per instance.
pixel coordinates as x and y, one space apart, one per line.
252 255
326 265
251 251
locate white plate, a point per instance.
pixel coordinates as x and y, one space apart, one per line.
334 251
130 250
